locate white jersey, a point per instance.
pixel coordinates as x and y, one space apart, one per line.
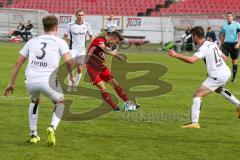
44 53
215 64
78 34
111 26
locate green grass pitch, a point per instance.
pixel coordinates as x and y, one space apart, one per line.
124 136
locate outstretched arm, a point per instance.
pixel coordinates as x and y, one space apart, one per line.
111 52
91 38
65 37
10 87
187 59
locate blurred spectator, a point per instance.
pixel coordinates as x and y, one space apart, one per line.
210 35
186 39
111 25
20 29
28 31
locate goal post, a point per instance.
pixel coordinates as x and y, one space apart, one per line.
182 22
10 18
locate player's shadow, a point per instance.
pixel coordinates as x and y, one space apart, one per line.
98 111
120 70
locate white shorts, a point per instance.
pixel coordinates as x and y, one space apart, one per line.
53 92
215 83
78 56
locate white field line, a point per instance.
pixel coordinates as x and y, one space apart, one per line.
26 97
81 97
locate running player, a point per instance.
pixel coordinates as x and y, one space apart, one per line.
218 73
78 32
43 53
100 73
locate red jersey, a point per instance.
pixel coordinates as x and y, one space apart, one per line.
95 55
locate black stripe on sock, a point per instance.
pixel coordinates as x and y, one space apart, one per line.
35 108
228 93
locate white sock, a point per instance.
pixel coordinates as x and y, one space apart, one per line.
69 82
57 115
196 106
231 98
33 118
77 79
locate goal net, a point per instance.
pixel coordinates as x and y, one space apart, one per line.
181 22
10 18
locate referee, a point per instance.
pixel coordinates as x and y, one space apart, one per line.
230 40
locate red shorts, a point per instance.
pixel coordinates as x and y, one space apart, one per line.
97 76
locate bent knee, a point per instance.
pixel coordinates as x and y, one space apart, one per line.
35 101
59 101
219 90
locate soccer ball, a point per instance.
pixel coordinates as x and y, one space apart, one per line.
129 106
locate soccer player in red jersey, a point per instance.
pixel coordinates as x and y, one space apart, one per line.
100 73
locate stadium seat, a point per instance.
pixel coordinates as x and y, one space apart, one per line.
105 7
119 7
201 6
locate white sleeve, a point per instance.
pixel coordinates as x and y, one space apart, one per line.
64 48
89 30
200 54
183 36
189 36
25 50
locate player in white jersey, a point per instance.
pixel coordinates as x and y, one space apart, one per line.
43 53
111 25
78 31
218 73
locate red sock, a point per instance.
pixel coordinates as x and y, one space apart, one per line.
121 93
106 96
